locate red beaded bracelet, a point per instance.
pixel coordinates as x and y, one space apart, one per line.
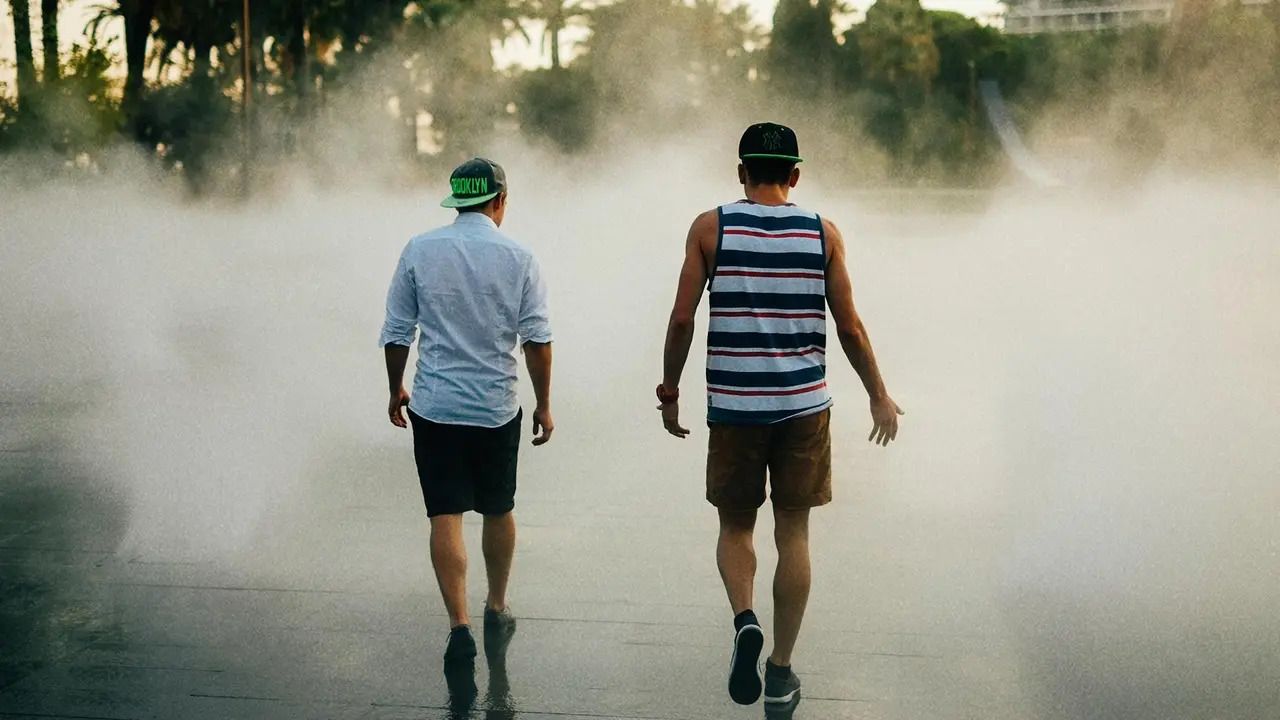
665 397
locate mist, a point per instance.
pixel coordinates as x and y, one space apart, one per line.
1089 379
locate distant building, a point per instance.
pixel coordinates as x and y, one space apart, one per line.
1025 17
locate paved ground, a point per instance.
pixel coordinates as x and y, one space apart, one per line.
329 611
1063 531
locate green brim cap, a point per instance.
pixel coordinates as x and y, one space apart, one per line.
770 156
453 201
475 182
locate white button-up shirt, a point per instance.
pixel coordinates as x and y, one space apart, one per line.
471 291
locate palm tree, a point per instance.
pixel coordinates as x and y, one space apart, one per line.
556 14
49 39
138 15
22 47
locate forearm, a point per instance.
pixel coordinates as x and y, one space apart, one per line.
397 358
676 352
857 347
537 358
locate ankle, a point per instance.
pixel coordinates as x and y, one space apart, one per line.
745 618
495 605
779 664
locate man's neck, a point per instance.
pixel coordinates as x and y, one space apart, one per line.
768 194
477 214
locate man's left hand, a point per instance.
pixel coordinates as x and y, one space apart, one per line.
671 419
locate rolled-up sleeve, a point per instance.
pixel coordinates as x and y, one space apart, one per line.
535 316
401 324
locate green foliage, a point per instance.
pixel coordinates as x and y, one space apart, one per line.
897 88
693 53
8 119
73 114
88 115
186 123
803 55
897 48
558 105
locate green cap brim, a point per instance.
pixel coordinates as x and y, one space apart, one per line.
792 158
452 201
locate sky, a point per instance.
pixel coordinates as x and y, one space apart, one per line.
75 14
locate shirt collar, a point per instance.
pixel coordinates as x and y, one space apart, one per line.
475 218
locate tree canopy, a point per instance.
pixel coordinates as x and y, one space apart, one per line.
419 77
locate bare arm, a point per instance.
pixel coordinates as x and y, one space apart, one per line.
537 358
680 327
397 358
854 340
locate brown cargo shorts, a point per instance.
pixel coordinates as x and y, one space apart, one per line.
796 453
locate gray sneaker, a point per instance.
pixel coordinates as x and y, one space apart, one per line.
499 627
780 684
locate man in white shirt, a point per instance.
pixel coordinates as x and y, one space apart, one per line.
472 294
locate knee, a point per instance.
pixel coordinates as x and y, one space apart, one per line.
791 526
737 523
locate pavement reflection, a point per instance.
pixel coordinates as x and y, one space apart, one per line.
460 678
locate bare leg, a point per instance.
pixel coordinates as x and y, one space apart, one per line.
790 581
449 558
736 557
499 544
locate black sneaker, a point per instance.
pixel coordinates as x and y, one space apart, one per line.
461 647
744 670
781 685
499 627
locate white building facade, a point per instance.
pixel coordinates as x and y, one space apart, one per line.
1024 17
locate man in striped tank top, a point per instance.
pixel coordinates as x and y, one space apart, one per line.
772 269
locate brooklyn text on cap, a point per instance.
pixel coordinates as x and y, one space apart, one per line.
769 140
475 181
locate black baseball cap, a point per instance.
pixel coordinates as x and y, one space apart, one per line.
769 140
475 181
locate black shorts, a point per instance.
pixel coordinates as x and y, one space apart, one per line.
461 467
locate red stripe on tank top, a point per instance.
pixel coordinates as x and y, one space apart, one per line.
770 274
781 315
765 353
808 235
768 393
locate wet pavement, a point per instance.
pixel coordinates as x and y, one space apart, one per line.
1077 521
329 610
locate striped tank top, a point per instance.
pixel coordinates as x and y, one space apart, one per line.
766 342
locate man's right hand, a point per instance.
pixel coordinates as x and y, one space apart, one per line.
542 425
884 413
395 408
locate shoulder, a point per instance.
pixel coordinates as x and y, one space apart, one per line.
517 252
707 221
413 249
426 238
705 227
830 230
518 247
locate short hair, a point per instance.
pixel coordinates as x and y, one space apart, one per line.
478 207
768 171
